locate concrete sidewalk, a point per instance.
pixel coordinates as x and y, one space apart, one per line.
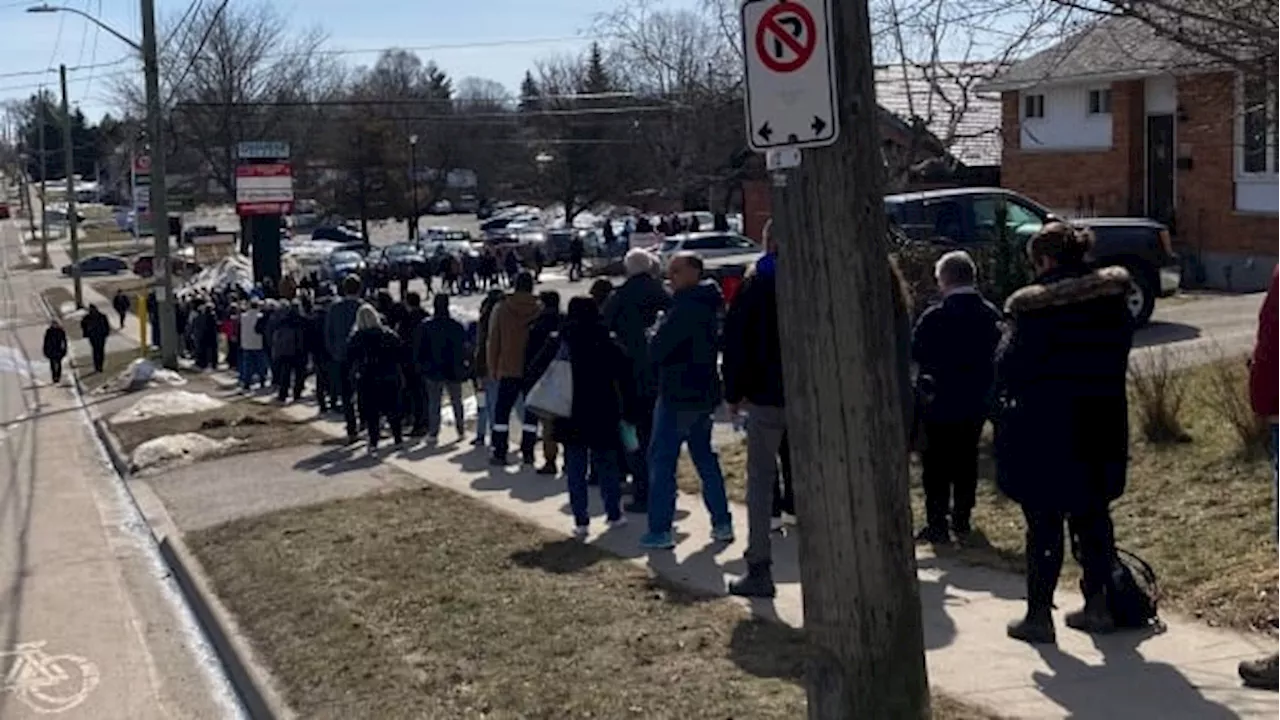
1188 671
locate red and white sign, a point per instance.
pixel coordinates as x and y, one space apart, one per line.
790 74
264 189
142 164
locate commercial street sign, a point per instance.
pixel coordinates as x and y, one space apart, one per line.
262 150
790 74
264 189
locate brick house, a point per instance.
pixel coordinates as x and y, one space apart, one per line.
1117 120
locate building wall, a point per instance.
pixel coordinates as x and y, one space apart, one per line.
1067 124
1076 181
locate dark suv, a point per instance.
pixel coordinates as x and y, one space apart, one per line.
967 218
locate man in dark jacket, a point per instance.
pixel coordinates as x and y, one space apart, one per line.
121 304
289 352
415 392
954 345
576 252
440 359
204 332
508 337
542 328
95 328
318 352
1062 435
753 375
338 324
629 313
684 351
55 349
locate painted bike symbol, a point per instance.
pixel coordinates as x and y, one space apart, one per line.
48 683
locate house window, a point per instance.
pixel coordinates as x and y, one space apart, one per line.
1100 101
1258 126
1033 106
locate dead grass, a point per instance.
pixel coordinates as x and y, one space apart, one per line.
427 604
1156 394
107 239
130 285
1199 512
260 427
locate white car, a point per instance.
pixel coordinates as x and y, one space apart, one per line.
707 245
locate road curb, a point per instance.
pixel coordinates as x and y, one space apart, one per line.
249 679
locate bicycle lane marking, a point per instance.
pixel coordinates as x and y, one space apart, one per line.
48 684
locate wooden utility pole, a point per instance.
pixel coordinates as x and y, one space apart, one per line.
844 409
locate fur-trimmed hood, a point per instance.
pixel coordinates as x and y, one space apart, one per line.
1072 289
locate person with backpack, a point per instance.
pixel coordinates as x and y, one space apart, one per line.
1062 427
289 352
55 349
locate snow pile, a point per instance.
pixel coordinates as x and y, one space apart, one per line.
229 272
173 402
142 374
180 449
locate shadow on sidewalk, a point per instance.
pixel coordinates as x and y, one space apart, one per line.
337 460
1124 685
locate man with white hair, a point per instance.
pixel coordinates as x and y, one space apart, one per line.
629 313
954 343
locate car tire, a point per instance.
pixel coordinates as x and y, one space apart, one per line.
1141 298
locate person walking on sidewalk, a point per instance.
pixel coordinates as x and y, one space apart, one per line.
1062 434
95 328
684 351
547 324
55 349
339 320
121 304
374 354
753 377
601 399
440 360
954 345
577 250
629 313
508 337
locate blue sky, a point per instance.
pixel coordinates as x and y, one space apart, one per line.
36 42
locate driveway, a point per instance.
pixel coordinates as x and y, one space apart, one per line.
1199 326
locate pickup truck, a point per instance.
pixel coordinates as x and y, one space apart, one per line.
966 218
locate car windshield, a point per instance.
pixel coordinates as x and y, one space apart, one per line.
343 257
401 250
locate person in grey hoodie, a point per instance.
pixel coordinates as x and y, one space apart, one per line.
338 322
684 351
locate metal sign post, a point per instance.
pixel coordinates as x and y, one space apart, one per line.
790 78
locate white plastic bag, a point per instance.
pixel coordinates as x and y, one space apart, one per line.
552 395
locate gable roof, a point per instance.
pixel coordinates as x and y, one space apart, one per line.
946 98
1110 49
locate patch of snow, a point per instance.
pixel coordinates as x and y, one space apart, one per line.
142 374
180 449
164 404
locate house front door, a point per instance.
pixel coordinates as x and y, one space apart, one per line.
1160 168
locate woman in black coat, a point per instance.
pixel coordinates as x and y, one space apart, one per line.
602 399
1062 433
375 354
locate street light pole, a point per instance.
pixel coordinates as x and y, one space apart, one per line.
44 208
413 184
159 202
68 161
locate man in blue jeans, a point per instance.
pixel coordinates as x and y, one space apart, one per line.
683 351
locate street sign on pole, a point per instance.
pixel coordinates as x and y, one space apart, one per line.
790 77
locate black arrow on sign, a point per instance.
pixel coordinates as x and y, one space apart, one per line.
765 131
818 125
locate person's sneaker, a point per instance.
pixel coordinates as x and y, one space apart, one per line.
580 532
961 528
722 533
1260 674
527 458
639 507
433 439
758 582
478 442
789 518
933 535
498 460
548 469
1093 618
1034 629
417 431
657 541
776 524
621 521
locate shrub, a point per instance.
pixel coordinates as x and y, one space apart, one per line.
1226 395
1158 393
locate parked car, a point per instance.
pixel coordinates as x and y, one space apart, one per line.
391 262
466 204
99 265
967 218
441 207
558 242
707 244
337 233
341 263
144 265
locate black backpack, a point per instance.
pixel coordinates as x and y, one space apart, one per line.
1132 591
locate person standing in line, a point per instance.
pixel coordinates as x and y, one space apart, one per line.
601 398
204 329
508 337
600 291
415 399
55 349
338 322
121 304
486 387
1062 433
954 345
374 355
753 379
289 352
629 312
96 328
253 354
317 351
440 359
546 324
684 350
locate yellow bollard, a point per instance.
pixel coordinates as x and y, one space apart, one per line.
141 304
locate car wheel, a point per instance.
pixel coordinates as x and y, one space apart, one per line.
1141 297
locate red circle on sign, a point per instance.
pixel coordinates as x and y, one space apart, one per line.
783 38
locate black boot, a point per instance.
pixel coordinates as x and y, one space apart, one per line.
758 582
499 456
960 525
527 443
548 468
934 534
1094 618
1036 628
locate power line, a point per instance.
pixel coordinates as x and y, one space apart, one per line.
185 16
208 31
97 31
57 39
51 70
